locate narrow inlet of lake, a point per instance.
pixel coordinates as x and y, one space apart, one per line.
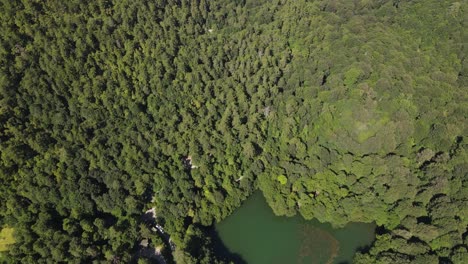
260 237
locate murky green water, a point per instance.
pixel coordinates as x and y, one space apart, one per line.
260 237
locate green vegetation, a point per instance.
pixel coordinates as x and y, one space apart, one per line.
109 108
6 238
282 179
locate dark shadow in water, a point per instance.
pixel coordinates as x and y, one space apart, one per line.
365 249
220 250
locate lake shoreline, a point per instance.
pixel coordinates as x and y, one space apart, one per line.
258 236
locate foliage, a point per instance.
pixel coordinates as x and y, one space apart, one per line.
339 110
6 238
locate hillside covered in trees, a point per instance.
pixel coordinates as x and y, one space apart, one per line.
339 110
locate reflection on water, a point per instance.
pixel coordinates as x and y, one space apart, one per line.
259 237
317 246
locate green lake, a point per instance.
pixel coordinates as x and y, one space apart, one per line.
259 237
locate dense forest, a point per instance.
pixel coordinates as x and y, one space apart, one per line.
338 110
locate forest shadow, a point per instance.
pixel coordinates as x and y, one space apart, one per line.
220 250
